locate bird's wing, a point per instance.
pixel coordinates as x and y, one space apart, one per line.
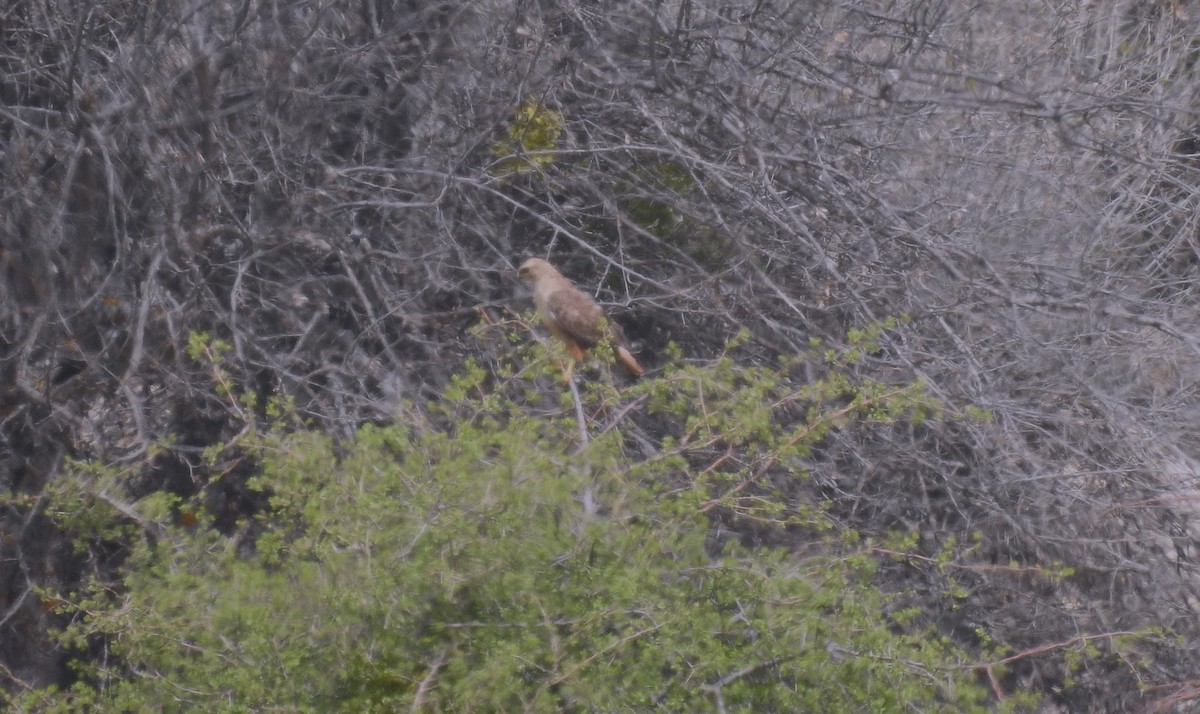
576 315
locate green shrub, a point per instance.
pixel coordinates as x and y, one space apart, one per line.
477 558
530 142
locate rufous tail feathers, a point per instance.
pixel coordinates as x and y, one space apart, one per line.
628 362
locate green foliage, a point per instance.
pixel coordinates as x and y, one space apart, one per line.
656 192
531 140
670 179
477 559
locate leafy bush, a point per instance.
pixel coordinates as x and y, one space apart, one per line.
478 558
532 137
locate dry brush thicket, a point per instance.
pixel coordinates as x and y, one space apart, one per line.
338 190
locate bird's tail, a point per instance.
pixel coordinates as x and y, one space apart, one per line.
627 361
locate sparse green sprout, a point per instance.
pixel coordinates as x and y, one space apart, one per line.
202 347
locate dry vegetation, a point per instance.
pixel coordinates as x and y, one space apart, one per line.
342 190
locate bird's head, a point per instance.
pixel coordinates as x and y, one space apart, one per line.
535 268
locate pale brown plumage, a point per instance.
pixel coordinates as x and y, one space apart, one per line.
573 316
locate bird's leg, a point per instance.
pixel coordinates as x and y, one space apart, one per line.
577 357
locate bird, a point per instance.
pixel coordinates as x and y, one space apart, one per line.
573 316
